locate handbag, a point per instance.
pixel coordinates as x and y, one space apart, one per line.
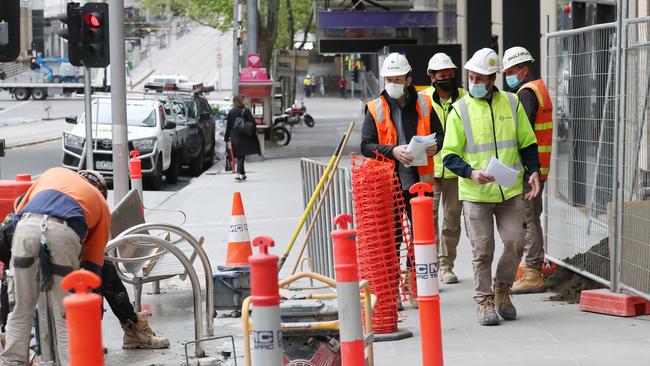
244 126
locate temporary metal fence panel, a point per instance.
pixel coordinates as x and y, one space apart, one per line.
635 183
338 200
580 80
593 147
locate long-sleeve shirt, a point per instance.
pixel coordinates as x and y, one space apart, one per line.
405 117
529 158
66 195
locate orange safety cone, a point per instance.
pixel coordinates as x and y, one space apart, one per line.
239 241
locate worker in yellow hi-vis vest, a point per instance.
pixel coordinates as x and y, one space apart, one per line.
534 97
444 93
490 124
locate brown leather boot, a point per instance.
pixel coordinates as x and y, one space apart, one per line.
140 335
531 282
502 300
486 313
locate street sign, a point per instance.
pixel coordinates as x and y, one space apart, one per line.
25 3
286 60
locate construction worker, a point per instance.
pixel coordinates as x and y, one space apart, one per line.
394 118
306 83
486 124
64 223
444 92
533 96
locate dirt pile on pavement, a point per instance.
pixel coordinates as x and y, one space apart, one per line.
567 284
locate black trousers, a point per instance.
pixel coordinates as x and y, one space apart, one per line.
115 294
240 165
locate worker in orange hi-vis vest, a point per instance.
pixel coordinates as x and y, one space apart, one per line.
394 118
534 97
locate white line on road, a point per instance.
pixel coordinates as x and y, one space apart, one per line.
16 106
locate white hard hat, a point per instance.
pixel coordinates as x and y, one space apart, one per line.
515 56
440 61
395 65
484 61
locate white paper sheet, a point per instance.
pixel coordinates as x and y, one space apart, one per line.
503 175
417 148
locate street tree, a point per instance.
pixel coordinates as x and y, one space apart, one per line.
278 20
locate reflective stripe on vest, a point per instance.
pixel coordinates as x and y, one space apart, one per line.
543 124
387 133
490 130
471 146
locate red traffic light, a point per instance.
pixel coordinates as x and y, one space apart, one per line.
93 19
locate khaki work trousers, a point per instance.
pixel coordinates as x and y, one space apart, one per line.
65 248
446 190
479 225
534 247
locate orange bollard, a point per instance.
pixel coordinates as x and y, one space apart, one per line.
347 289
135 167
426 273
83 313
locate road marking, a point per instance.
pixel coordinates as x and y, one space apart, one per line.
16 106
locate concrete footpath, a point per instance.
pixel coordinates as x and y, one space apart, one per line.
545 333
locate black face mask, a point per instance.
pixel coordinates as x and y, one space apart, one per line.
446 84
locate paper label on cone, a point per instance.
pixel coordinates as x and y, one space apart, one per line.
238 230
426 270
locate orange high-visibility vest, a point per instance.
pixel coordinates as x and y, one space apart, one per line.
543 124
387 133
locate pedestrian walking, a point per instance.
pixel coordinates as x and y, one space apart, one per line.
63 223
444 92
342 85
486 124
534 97
307 86
314 84
391 120
321 86
242 144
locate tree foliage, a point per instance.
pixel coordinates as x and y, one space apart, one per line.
279 20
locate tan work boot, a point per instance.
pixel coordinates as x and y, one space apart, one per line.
410 289
140 335
447 276
503 302
486 313
531 282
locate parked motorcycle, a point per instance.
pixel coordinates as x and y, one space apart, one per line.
299 114
280 134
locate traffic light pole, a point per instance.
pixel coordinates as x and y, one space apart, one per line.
118 100
90 165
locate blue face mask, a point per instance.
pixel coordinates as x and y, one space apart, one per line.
477 90
513 81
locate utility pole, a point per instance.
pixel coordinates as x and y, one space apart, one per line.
252 26
90 161
26 34
118 101
236 34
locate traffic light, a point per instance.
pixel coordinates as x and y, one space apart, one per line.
33 64
94 35
72 33
9 30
